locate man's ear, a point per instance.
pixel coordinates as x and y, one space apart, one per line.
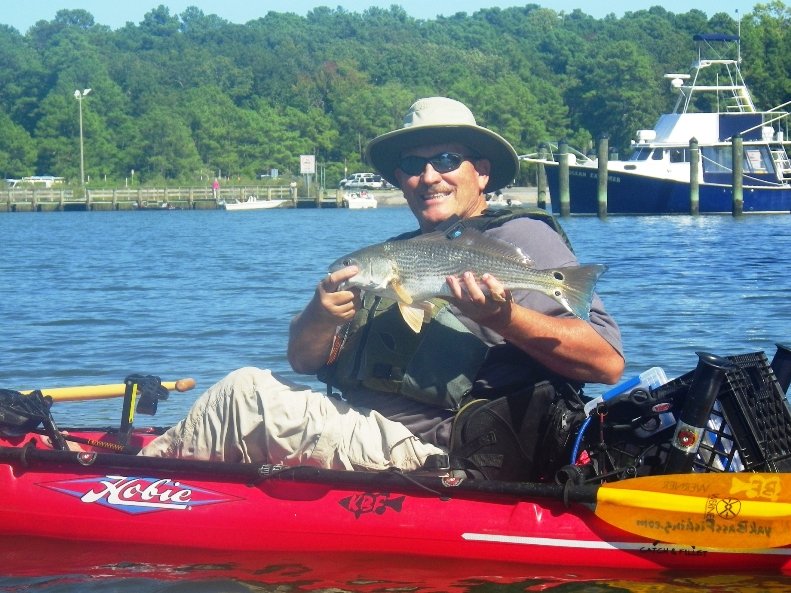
483 167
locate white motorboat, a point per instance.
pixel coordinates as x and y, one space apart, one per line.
252 203
656 177
501 201
360 200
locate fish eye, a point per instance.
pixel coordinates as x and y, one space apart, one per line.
558 276
348 262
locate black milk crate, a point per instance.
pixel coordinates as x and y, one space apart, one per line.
750 426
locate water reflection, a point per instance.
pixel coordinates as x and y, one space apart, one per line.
47 566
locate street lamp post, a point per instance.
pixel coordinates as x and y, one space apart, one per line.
79 96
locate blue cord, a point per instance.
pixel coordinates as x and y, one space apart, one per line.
578 441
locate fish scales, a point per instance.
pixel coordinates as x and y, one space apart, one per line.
412 271
424 265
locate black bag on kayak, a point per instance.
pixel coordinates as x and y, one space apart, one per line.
19 414
524 436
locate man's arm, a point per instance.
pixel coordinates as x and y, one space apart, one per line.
312 331
569 347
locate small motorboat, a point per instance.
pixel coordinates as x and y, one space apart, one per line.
361 200
252 203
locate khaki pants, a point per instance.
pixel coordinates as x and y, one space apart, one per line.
253 416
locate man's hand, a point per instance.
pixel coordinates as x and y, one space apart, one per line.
332 304
484 302
312 332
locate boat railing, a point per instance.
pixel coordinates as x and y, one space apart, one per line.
734 84
773 109
742 100
782 162
765 122
552 153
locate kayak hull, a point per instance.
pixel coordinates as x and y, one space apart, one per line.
167 504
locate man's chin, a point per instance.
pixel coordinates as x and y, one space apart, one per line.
432 217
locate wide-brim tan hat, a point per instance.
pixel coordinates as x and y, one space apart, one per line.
440 120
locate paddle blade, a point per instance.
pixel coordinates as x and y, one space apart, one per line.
711 510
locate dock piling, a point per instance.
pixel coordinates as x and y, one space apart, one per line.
541 178
563 182
737 150
602 164
694 176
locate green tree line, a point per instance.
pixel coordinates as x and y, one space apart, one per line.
191 96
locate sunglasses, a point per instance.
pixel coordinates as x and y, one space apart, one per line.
444 162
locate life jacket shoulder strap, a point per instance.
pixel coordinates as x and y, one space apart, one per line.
493 218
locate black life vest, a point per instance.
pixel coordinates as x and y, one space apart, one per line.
514 427
379 352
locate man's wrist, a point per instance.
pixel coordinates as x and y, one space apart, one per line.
500 319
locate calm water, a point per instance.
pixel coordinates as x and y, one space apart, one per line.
87 298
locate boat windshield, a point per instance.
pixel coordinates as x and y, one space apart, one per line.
757 159
641 154
719 159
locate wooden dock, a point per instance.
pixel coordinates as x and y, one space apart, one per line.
182 198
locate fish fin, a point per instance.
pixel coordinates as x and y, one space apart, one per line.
414 316
398 288
575 287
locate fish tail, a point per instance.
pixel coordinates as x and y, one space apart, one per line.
575 288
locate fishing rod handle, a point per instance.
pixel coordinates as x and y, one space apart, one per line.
694 415
781 366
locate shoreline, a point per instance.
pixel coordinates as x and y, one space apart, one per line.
48 200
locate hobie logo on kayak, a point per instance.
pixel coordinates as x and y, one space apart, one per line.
135 495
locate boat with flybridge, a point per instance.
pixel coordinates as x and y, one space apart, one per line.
713 107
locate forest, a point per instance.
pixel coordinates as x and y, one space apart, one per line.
182 98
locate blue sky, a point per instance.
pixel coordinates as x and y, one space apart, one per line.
23 14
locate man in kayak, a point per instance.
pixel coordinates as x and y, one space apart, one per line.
402 390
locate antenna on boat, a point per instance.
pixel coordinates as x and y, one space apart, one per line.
739 38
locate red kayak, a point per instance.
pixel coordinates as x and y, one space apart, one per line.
116 498
702 516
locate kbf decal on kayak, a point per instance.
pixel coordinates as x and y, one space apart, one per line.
136 495
372 502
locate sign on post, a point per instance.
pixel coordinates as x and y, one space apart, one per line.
307 164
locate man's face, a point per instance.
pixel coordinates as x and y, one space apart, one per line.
434 197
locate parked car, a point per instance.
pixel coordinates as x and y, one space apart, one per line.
353 178
363 181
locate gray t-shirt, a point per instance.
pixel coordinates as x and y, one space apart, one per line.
547 250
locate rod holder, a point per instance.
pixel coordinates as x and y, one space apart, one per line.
694 415
781 366
142 393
